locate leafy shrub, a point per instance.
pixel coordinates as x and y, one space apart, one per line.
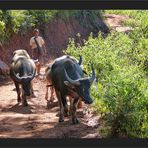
2 30
14 21
120 91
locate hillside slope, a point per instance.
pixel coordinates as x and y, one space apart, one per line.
56 33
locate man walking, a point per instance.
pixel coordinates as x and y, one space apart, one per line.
37 44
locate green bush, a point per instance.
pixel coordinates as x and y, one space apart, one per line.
120 91
2 30
41 16
14 21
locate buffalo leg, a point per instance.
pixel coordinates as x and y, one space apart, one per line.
61 118
64 101
51 96
74 118
38 68
71 106
24 100
51 91
46 95
80 103
18 92
32 91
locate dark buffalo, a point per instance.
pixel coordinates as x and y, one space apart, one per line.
49 82
66 76
22 72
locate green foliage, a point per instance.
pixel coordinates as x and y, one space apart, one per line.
120 92
41 16
20 20
90 19
14 21
2 30
66 14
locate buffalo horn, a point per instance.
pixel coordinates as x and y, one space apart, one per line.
93 74
80 60
32 76
17 77
74 82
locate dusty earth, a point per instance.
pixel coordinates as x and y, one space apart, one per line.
36 121
115 22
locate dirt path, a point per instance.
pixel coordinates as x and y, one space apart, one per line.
36 121
115 22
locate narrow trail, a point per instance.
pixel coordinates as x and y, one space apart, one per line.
36 121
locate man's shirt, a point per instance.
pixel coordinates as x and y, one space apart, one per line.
39 40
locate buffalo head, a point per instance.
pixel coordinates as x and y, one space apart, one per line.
81 86
25 81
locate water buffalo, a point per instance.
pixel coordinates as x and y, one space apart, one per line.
49 83
21 52
66 76
22 72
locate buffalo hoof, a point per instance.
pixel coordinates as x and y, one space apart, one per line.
19 100
75 121
70 112
61 120
80 104
66 114
52 99
25 104
48 105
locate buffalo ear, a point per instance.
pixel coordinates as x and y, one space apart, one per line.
84 72
68 84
